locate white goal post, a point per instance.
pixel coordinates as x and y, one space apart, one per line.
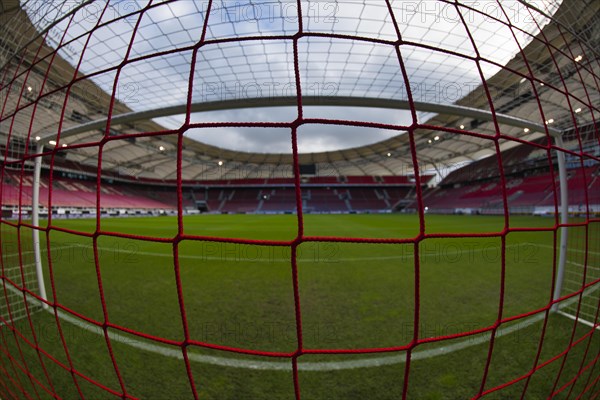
35 220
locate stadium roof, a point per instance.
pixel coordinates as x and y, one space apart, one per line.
245 73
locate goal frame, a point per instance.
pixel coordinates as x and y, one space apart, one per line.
438 108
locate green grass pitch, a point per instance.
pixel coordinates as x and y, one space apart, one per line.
351 295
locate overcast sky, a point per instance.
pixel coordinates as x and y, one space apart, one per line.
242 70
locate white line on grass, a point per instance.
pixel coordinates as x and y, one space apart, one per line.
583 321
547 246
303 366
329 260
589 267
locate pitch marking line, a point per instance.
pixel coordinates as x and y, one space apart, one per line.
547 246
332 259
382 258
303 366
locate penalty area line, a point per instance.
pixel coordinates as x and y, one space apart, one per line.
407 255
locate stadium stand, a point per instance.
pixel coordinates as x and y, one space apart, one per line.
474 188
522 191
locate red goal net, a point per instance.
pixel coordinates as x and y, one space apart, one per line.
416 190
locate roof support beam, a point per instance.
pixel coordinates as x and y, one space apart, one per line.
447 109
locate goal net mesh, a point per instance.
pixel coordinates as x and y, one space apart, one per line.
138 310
